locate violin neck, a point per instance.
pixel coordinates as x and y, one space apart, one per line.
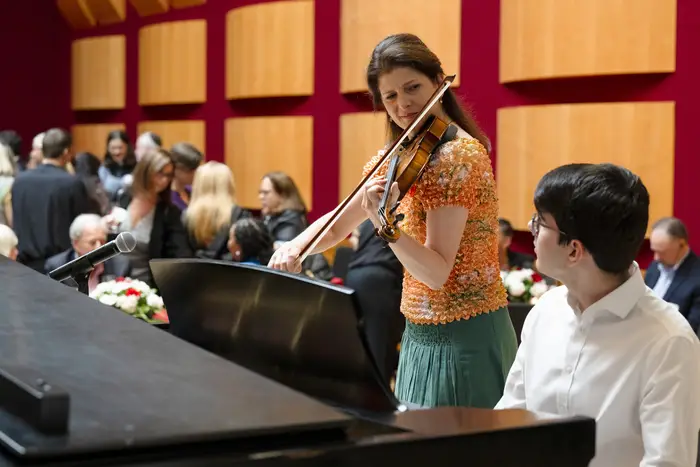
390 177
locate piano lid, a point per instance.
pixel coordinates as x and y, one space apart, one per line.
132 385
305 333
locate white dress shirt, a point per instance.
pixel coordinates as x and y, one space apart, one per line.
630 361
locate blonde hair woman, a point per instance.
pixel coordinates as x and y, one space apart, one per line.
212 209
150 216
8 170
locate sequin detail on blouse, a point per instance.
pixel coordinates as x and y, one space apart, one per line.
459 174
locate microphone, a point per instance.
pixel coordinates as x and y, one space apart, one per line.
83 265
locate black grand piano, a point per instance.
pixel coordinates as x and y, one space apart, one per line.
260 368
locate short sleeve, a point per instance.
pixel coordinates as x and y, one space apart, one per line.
372 162
459 174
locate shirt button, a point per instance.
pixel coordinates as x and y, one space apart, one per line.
569 369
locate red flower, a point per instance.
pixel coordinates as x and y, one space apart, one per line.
119 279
536 277
161 315
132 291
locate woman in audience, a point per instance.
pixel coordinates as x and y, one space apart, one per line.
151 217
284 213
212 210
8 242
8 170
283 209
87 167
147 142
250 242
118 164
186 158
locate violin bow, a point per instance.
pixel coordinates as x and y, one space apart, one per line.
338 211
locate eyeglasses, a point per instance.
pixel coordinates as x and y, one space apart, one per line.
536 223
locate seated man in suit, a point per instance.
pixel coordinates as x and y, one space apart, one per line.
674 275
87 232
510 259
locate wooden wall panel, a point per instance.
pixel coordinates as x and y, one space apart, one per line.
150 7
362 135
171 132
186 3
77 13
253 150
93 138
554 38
98 78
364 23
535 139
172 63
270 50
108 11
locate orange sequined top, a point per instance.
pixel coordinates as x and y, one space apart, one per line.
458 174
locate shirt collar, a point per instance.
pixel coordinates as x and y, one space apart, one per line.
621 300
675 267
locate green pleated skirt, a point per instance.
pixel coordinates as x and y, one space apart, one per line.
463 363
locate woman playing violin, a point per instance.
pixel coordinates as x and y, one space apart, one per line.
459 342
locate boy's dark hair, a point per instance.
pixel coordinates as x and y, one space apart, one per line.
255 240
506 227
56 141
604 206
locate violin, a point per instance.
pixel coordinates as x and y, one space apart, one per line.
410 154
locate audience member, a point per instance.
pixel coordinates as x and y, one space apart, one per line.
45 201
510 259
8 170
119 163
147 142
674 275
152 218
12 139
250 242
284 213
212 210
87 167
376 275
36 156
186 159
87 233
603 345
8 242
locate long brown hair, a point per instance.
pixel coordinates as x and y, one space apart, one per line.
146 168
407 50
288 191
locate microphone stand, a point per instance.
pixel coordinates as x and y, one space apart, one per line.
83 281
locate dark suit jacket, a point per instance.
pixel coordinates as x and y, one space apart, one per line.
684 291
44 202
118 266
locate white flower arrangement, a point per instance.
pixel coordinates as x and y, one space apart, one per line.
524 285
133 297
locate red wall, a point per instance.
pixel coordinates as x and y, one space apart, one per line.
34 69
479 69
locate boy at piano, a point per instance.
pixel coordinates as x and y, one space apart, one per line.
603 345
